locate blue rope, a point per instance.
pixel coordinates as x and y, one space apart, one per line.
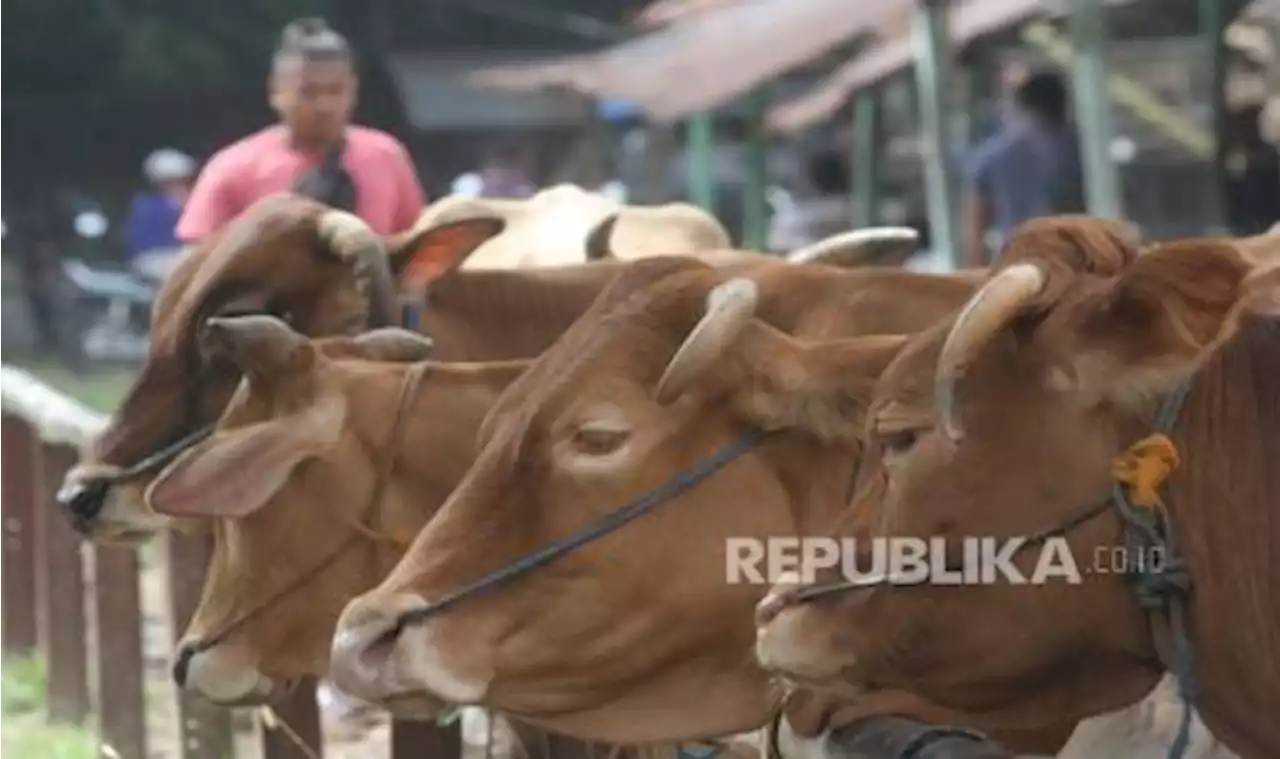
1168 585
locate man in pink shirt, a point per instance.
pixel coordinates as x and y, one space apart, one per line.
313 151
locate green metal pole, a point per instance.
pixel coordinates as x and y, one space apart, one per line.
699 147
866 159
930 45
1213 25
754 208
1093 108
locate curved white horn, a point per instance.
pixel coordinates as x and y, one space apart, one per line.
729 307
986 313
858 246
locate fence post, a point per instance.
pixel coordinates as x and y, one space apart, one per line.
300 714
118 613
204 727
60 594
425 740
18 478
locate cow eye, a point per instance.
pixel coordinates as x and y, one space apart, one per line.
598 439
900 442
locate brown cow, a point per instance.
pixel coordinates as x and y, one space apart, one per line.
1011 419
326 274
585 643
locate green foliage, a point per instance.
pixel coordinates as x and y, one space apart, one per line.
25 732
21 685
53 741
76 46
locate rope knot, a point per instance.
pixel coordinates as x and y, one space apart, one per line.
1144 468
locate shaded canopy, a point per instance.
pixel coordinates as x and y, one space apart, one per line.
708 60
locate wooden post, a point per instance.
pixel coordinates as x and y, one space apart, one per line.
205 729
1093 108
865 154
930 39
301 715
425 740
121 695
60 595
755 216
18 477
699 160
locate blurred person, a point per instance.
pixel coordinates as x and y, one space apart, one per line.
1012 75
505 173
1252 174
150 229
314 150
1029 168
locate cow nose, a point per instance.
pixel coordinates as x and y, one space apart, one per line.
363 645
83 500
182 664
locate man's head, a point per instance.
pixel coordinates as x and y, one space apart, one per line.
313 82
1042 95
169 171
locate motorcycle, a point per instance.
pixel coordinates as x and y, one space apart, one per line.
111 303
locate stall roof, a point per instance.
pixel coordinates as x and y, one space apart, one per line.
666 12
971 19
708 60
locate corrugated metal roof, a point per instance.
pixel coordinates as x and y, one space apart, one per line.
970 19
708 60
666 12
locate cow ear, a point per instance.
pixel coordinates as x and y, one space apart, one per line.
423 256
394 344
260 345
823 387
236 472
1158 320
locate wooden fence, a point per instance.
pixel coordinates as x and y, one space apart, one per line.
78 606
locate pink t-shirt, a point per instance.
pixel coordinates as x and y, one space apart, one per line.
388 196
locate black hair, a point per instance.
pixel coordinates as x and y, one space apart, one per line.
1044 94
310 39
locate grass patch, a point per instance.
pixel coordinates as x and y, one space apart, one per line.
24 729
22 682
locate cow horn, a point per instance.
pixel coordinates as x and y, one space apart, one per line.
729 307
989 310
858 247
352 241
600 240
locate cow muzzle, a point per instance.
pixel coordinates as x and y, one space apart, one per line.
400 667
222 676
793 641
106 510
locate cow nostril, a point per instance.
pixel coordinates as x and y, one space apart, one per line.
379 650
182 664
83 500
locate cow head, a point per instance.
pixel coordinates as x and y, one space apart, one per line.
306 485
322 270
565 224
669 366
1006 421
